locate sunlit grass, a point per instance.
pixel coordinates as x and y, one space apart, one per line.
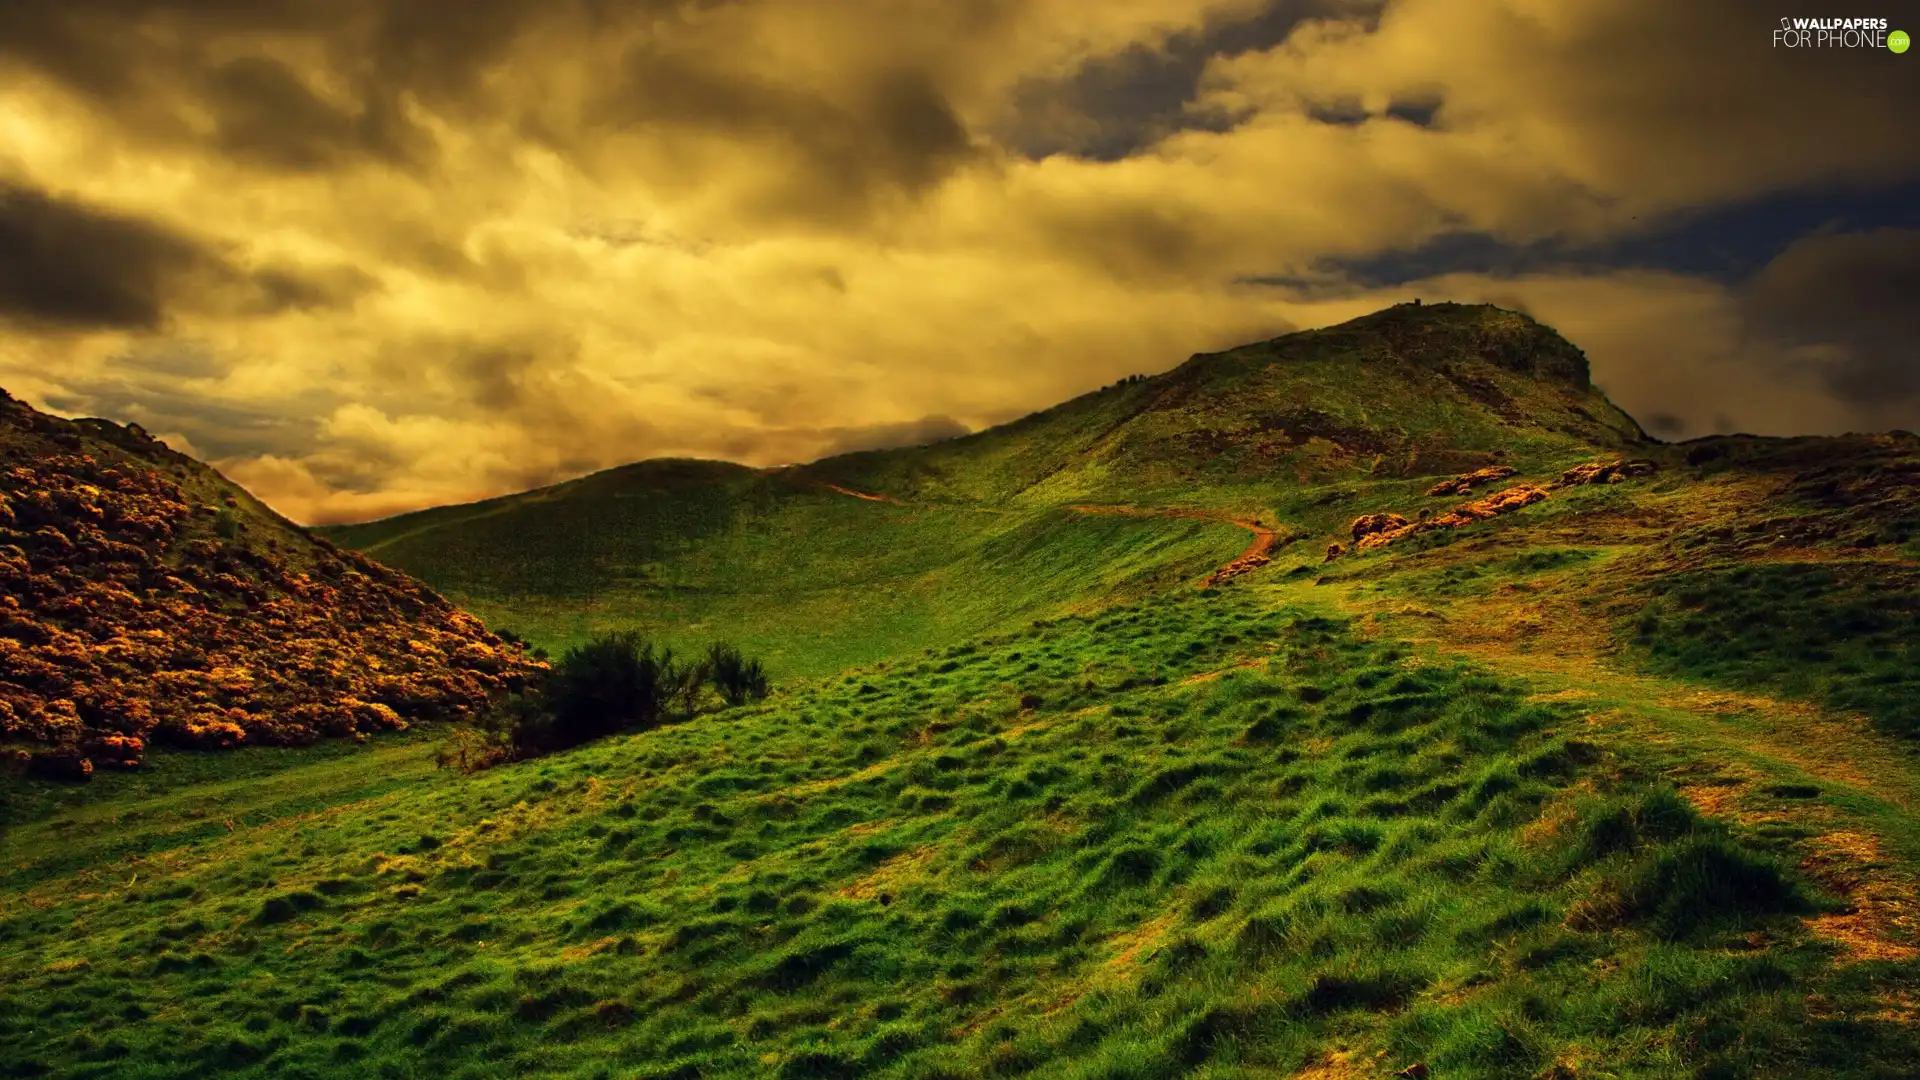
1191 835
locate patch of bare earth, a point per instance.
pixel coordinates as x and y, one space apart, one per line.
1338 1065
1883 922
887 878
1209 676
1130 945
1816 728
1720 795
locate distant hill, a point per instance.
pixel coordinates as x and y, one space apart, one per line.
145 598
1293 432
1413 390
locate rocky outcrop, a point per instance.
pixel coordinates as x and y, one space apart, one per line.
1500 502
1373 524
1605 472
1466 482
133 610
1380 529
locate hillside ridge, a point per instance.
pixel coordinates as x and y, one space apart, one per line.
143 598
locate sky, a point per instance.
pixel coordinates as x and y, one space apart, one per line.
372 255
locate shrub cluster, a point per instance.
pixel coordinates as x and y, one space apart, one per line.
615 682
142 603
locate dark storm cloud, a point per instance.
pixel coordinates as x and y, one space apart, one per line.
1140 240
496 376
267 115
1852 291
106 48
1421 110
158 402
890 130
67 265
1665 424
151 64
1115 104
524 378
141 60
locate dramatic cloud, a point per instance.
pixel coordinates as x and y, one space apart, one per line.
373 254
66 265
1853 295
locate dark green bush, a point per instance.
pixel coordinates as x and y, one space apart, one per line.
738 679
614 682
514 638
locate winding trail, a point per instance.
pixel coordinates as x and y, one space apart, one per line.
864 495
1256 555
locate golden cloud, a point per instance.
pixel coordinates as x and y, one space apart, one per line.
371 255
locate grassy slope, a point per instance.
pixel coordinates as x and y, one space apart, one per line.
1230 837
1413 805
810 579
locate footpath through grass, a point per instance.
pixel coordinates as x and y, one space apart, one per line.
1202 837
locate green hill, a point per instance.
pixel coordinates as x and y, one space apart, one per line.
1580 756
1294 432
1409 391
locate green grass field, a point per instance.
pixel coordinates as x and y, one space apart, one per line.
1201 837
814 581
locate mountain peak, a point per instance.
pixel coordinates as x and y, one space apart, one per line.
1437 336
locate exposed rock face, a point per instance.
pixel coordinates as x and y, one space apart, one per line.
1464 483
1605 472
1378 530
1373 524
1501 502
143 597
1242 565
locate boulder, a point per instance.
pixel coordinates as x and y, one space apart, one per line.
1465 482
1606 472
1368 524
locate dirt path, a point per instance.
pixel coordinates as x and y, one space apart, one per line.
1256 555
864 495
